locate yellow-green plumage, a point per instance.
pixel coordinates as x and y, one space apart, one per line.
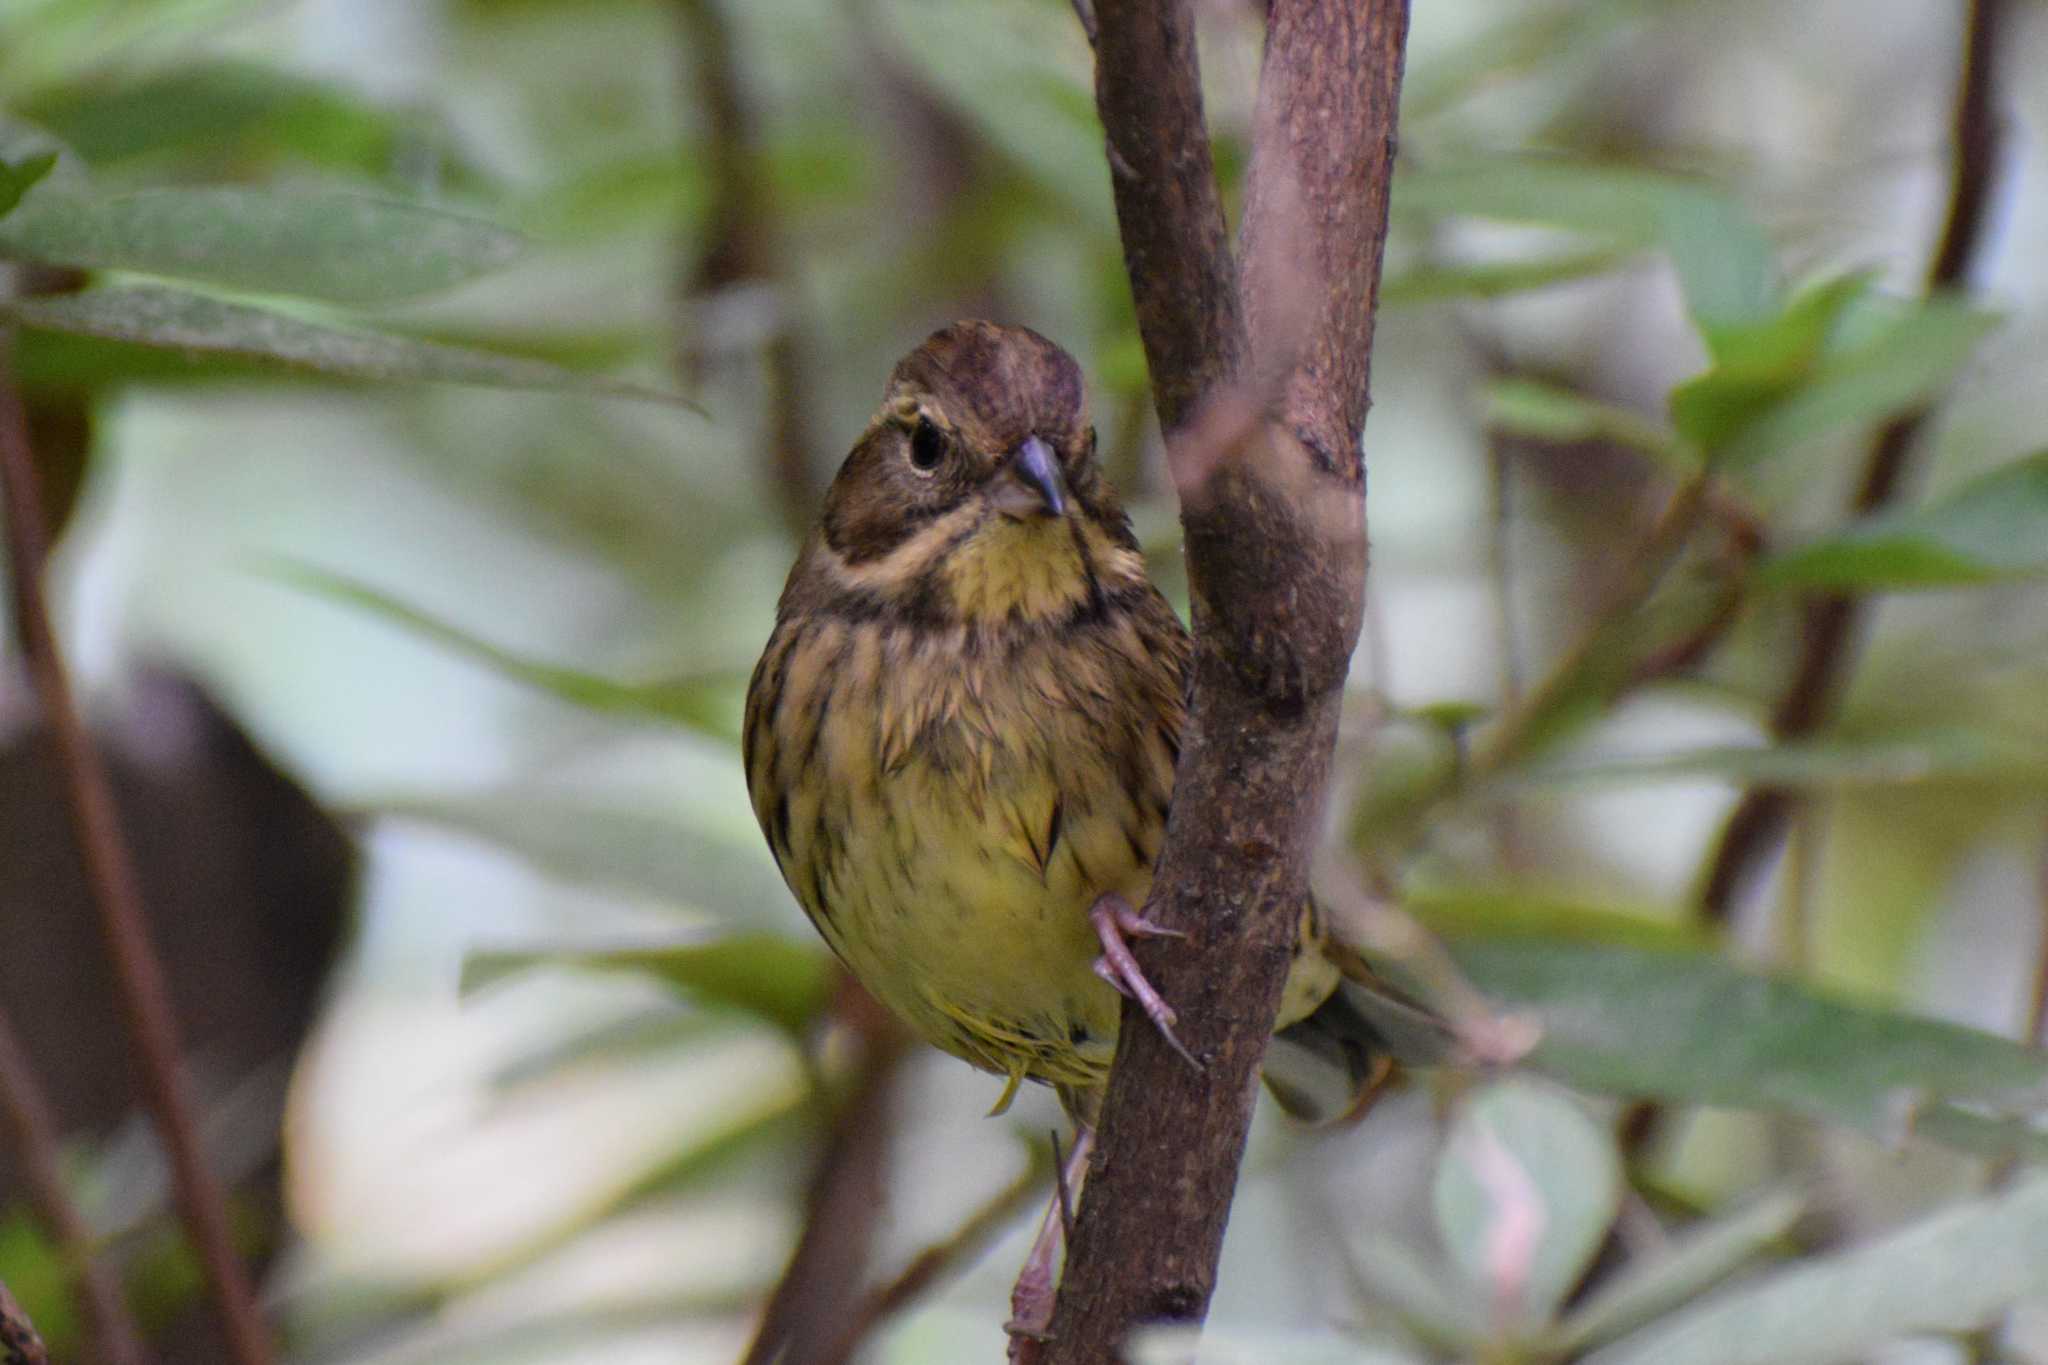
963 729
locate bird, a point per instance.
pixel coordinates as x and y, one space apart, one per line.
961 736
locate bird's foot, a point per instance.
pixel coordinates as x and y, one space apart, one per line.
1115 921
1031 1300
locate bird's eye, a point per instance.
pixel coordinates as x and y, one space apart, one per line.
927 446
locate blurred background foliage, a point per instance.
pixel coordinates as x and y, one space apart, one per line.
427 393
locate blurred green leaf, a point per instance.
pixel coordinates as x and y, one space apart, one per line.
317 244
1522 42
1019 71
1993 528
200 324
1700 1259
16 177
694 703
218 108
1545 412
1524 1194
766 975
1950 754
1690 1027
1723 260
1498 279
1758 365
657 855
1482 914
1910 357
1950 1272
37 1277
1422 1296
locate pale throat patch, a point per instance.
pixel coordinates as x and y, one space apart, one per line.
995 568
1021 569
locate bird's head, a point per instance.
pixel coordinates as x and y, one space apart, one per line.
973 495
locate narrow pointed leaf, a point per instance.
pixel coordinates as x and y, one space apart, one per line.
1525 407
1992 529
18 176
654 855
1698 1261
1906 362
1951 1272
1681 1025
1723 260
695 703
1498 279
774 978
1948 754
201 325
316 244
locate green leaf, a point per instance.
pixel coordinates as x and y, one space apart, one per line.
1724 261
1019 72
1526 407
1756 366
16 178
240 110
658 855
1949 754
765 975
1689 1027
1909 359
1428 1302
202 325
1498 279
694 703
1991 529
1951 1272
1699 1260
1526 1189
317 244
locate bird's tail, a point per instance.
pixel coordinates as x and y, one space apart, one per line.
1335 1062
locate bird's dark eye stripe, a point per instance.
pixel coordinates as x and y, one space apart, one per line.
927 444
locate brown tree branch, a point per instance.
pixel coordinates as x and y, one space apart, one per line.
742 246
825 1271
1168 209
1831 623
19 1344
117 897
1276 555
30 1127
932 1264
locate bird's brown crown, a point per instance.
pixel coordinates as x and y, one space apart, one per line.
973 494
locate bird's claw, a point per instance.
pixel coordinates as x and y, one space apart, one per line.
1114 922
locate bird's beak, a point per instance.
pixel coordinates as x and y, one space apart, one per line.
1033 485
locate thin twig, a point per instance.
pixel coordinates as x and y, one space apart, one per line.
32 1133
934 1263
19 1344
825 1271
117 899
1755 827
742 246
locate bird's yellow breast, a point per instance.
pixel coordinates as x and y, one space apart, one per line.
964 806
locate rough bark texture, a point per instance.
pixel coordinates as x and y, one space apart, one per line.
1176 246
1276 554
